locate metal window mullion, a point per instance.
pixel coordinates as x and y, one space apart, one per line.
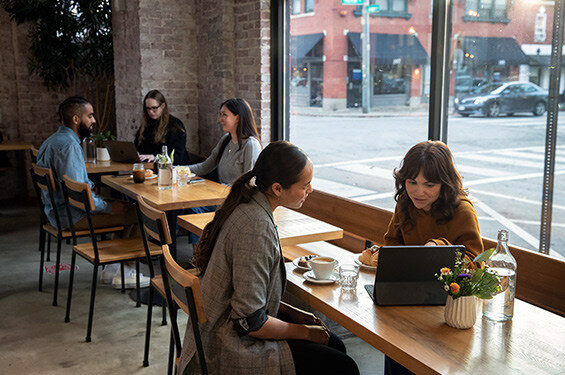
280 14
551 127
439 83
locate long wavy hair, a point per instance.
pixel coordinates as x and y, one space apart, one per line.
280 162
245 126
162 122
434 160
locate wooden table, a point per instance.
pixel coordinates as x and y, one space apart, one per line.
417 336
15 146
107 167
294 228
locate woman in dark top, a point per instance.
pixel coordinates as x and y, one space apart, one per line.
159 128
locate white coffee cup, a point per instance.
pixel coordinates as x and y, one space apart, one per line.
322 267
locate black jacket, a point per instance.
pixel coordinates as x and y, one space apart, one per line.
175 139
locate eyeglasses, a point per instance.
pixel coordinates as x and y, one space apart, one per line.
153 108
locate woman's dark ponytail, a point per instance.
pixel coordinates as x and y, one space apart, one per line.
241 192
280 162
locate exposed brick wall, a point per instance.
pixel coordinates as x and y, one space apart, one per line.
198 54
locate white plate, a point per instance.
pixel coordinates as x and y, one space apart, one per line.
295 263
189 176
309 276
359 263
147 178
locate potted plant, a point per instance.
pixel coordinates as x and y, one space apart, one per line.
464 285
102 153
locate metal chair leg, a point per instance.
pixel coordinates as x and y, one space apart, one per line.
171 354
122 271
56 287
164 319
148 327
70 293
91 309
42 258
138 303
48 248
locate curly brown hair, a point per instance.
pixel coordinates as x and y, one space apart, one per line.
434 160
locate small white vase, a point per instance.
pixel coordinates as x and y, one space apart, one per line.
462 312
102 154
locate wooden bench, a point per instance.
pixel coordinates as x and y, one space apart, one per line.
541 279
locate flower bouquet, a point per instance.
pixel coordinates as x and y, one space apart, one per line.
463 285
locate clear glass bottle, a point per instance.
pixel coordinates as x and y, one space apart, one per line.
165 179
89 148
501 307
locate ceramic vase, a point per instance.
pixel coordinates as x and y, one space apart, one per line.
102 154
462 312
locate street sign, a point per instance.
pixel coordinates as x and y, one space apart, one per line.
352 2
373 8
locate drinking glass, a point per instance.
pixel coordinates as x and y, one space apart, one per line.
348 276
138 173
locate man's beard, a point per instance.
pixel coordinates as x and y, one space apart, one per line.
84 130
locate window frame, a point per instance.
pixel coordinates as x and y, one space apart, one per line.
490 17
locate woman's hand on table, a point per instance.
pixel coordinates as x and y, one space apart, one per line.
430 243
146 158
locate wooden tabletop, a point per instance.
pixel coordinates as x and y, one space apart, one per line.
198 194
294 228
15 146
111 167
417 336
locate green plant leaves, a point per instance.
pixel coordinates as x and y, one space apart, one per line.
485 255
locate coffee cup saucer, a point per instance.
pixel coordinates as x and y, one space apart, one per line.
309 276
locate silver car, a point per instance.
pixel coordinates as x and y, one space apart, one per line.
494 99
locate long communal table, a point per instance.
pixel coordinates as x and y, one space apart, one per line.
293 227
533 342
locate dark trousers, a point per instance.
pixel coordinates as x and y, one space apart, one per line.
311 358
394 368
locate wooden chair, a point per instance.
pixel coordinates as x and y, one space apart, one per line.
98 253
43 181
154 228
185 292
33 154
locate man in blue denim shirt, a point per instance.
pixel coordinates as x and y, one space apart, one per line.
63 154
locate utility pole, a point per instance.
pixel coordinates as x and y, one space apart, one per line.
366 59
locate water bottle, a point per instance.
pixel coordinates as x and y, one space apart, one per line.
89 147
501 307
165 178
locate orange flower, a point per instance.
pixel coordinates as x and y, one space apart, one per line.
445 271
454 288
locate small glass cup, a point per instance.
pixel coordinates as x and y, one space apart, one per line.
138 173
182 175
348 276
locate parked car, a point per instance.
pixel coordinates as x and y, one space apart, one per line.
494 99
465 84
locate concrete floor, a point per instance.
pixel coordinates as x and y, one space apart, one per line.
35 340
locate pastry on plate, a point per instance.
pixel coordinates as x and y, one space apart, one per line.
370 256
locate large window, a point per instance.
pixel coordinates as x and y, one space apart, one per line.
489 10
498 98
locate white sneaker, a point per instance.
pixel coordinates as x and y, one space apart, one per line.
108 273
129 280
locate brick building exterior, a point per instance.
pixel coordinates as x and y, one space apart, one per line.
326 68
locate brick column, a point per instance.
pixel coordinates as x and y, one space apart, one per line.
335 69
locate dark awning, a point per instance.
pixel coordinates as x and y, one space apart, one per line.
385 48
491 51
543 60
301 45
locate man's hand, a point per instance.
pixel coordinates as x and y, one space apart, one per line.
146 158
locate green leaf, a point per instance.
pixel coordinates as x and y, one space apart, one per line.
485 255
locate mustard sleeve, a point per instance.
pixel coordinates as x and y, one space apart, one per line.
465 226
393 235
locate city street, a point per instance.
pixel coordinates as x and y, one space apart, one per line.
500 159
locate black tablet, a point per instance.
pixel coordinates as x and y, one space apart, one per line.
406 274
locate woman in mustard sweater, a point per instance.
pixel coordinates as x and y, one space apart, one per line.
431 208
